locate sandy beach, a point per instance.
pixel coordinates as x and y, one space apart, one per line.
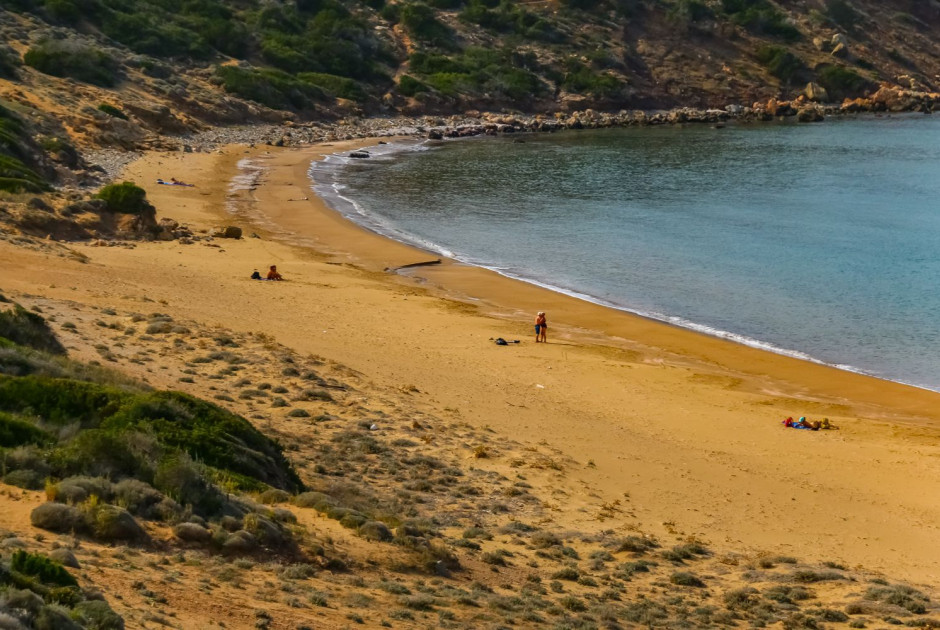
683 429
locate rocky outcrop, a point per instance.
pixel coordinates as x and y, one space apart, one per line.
228 231
892 98
815 92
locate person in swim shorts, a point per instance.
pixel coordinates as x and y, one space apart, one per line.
541 327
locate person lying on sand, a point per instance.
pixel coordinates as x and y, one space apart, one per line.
273 274
803 423
175 182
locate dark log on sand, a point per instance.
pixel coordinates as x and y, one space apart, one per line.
426 263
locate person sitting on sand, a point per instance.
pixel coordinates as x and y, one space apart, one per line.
541 328
273 274
256 275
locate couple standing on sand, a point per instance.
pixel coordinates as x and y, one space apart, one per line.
541 328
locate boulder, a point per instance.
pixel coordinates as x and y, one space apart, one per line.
815 92
838 39
841 50
809 114
228 231
894 99
168 224
65 557
360 155
857 105
192 532
435 134
819 43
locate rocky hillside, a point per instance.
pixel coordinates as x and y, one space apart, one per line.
113 71
133 74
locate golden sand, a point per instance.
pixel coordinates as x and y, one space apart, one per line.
684 428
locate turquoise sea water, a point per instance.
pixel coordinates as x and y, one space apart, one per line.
821 241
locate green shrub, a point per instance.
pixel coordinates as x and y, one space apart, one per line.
788 594
340 87
41 568
16 177
508 17
98 615
137 497
761 17
422 24
274 88
29 329
842 13
25 478
111 110
57 517
192 532
78 489
375 530
636 544
781 63
126 197
410 86
59 401
150 34
567 573
809 576
54 618
690 11
17 432
75 59
583 80
9 63
684 578
110 523
899 595
841 82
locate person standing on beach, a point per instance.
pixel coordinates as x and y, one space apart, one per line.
541 327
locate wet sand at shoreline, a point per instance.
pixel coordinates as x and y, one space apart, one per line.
684 429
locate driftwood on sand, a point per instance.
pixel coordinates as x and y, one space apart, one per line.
425 263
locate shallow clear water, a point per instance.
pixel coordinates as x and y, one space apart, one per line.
818 240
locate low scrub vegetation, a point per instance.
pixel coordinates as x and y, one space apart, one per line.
126 197
108 450
75 59
41 593
842 82
761 17
781 63
17 173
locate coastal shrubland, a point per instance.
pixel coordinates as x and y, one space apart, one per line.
331 57
111 451
41 593
75 59
367 509
782 63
